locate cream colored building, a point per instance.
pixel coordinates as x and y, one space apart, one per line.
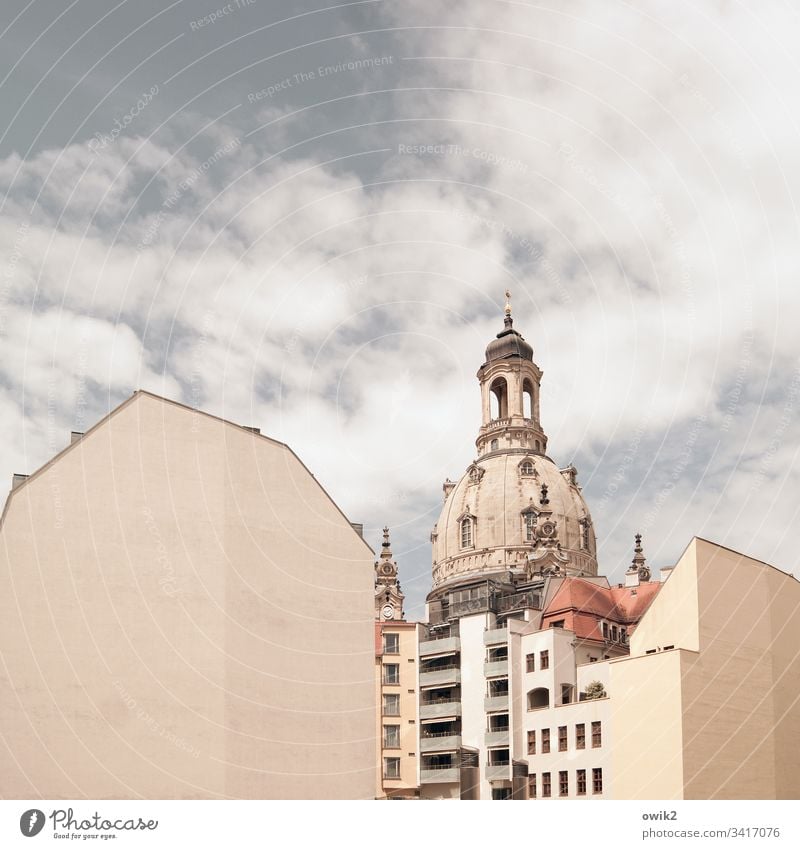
707 706
184 613
396 685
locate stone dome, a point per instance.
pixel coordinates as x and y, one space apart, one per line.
514 511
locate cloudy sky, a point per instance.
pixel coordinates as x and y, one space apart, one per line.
303 217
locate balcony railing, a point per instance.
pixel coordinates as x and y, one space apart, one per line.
439 742
440 677
495 668
495 636
439 775
439 645
498 771
497 738
435 709
495 703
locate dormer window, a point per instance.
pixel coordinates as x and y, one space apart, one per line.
526 468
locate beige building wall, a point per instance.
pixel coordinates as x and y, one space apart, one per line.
184 613
717 717
646 726
407 688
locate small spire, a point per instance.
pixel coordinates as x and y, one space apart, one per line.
508 320
639 562
386 549
544 499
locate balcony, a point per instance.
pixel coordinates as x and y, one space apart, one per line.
493 704
444 645
440 677
496 738
439 775
497 636
440 743
434 710
495 669
498 772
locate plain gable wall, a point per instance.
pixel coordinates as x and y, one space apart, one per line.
183 613
738 690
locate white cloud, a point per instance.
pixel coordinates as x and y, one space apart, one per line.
629 172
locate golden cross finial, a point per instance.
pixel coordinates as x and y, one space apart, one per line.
508 302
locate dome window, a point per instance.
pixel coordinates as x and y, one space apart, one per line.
466 527
529 521
527 468
466 533
494 445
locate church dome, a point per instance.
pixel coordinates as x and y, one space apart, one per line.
513 511
509 343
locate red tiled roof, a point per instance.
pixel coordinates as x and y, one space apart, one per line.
581 603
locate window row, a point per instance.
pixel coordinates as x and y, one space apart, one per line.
563 742
544 661
563 783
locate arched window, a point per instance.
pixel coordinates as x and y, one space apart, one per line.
494 445
527 399
498 398
466 532
538 698
526 467
474 475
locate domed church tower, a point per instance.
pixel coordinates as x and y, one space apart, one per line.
514 513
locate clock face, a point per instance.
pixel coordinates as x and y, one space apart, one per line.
388 611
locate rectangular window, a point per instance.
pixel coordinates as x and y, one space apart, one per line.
614 633
563 783
531 742
559 623
391 673
530 662
391 767
566 694
597 735
391 704
391 643
530 527
544 660
597 780
580 736
581 782
391 736
545 741
562 738
532 786
546 785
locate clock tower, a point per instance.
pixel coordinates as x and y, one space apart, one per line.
388 595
